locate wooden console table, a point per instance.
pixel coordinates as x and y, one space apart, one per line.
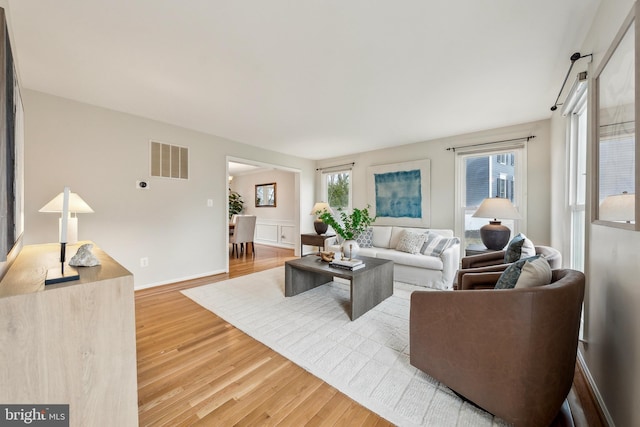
476 250
69 343
313 239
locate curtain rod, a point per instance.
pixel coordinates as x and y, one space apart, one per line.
524 138
336 166
573 58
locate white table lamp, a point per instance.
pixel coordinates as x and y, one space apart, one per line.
318 224
76 206
618 207
495 235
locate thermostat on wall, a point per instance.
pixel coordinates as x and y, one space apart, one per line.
142 185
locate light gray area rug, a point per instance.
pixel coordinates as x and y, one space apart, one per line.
367 359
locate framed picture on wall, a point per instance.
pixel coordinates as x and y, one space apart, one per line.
266 195
399 193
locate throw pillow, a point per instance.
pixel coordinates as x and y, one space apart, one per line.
528 249
411 242
519 247
510 275
365 239
534 273
436 244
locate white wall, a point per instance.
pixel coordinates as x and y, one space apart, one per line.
101 153
285 194
443 173
612 319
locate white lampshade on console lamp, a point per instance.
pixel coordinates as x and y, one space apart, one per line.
76 206
618 207
495 235
63 203
318 224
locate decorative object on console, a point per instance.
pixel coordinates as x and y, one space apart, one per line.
495 235
58 274
350 249
84 257
319 208
76 206
326 256
348 264
618 207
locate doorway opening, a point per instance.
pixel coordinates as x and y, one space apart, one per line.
278 223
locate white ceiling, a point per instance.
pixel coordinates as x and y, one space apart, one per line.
343 75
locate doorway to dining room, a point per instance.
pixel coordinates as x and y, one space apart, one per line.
272 194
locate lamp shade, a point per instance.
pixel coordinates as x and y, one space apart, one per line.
618 207
497 207
321 207
495 235
76 204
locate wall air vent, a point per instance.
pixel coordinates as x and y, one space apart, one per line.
169 161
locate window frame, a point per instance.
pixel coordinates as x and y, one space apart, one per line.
325 186
595 119
519 183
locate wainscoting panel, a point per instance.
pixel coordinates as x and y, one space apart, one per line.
276 233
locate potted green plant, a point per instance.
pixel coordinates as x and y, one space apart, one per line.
236 204
348 226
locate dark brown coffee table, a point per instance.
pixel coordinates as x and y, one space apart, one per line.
369 285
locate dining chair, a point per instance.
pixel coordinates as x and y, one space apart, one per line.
243 232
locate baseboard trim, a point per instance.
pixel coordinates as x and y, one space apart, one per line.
176 280
596 397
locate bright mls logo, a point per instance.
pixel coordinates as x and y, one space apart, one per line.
34 415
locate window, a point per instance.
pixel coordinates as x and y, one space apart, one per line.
577 175
502 186
336 189
487 174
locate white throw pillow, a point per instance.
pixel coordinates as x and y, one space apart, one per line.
411 242
381 236
534 273
528 249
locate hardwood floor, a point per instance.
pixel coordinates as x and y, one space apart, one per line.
196 369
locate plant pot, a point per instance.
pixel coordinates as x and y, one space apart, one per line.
350 249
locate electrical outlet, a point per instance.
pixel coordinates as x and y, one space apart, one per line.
144 262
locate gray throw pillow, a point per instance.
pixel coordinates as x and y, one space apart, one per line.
365 239
514 249
510 275
436 244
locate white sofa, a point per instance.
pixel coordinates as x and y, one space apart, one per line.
435 272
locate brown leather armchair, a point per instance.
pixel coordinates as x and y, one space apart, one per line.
494 261
512 352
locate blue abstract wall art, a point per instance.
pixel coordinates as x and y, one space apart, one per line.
398 194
